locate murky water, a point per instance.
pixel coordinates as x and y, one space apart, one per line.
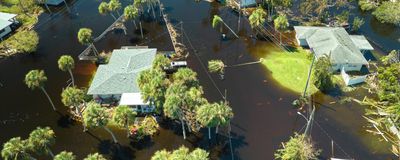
263 119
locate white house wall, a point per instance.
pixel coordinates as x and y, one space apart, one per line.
347 67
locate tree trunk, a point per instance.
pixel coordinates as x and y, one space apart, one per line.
50 152
134 23
127 128
48 97
66 4
141 30
112 134
188 126
230 29
47 7
113 16
183 129
216 129
72 77
78 110
209 133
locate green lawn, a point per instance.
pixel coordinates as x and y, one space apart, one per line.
290 69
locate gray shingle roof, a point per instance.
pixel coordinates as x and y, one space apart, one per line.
5 19
119 75
332 41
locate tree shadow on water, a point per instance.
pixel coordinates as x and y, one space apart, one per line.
144 143
65 121
115 151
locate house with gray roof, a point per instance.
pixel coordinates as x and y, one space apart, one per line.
117 79
345 51
6 20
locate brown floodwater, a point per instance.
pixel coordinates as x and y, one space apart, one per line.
263 118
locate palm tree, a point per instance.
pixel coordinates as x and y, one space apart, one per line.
281 24
40 139
95 156
161 61
15 148
153 84
257 18
64 155
186 76
96 116
85 38
216 66
173 102
161 155
105 9
67 63
72 96
199 154
181 153
299 147
114 6
124 116
36 79
218 20
181 103
132 12
214 115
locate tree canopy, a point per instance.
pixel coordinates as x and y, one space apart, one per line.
95 115
322 74
85 36
257 18
299 147
95 156
216 66
388 12
281 23
181 153
35 79
15 148
41 139
72 96
25 41
64 155
66 63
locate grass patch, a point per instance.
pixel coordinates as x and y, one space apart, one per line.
290 69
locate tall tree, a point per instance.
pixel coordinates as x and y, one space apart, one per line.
257 18
186 76
85 37
36 79
217 20
281 24
41 139
104 9
14 149
74 97
161 61
124 116
64 155
114 6
95 156
322 74
96 116
67 63
131 13
181 103
153 84
214 115
299 147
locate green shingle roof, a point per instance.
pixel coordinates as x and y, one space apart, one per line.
332 41
119 75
